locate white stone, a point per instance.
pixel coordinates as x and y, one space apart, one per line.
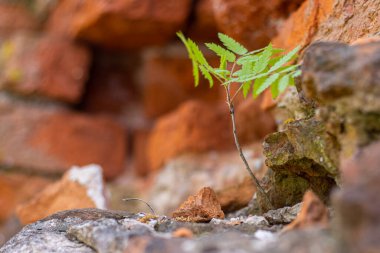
91 177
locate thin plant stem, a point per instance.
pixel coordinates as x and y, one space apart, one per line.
254 178
233 97
137 199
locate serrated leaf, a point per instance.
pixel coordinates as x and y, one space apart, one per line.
246 78
257 83
237 73
197 53
223 72
286 69
195 73
283 83
273 60
286 58
192 57
223 65
220 51
274 88
246 59
246 88
291 81
297 73
232 45
263 61
184 41
268 82
223 62
207 75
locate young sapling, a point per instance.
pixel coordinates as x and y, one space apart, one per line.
252 71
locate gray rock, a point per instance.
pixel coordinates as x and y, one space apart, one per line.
357 205
108 235
45 236
305 241
92 230
51 234
344 81
283 215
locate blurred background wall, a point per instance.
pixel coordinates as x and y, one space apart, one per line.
107 82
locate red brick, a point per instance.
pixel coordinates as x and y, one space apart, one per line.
193 127
52 140
121 23
15 18
253 22
44 66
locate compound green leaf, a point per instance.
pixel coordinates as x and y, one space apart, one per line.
246 88
264 59
198 55
286 58
297 73
232 45
220 51
274 89
267 82
283 83
195 73
247 59
207 75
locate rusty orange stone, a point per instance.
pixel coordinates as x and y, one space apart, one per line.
201 207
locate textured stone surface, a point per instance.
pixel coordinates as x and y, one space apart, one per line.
327 20
46 66
201 207
302 25
252 22
313 214
79 188
332 20
50 234
283 215
357 205
345 82
302 156
109 235
49 139
92 230
121 24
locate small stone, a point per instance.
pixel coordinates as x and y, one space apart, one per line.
313 214
201 207
257 221
183 233
283 215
